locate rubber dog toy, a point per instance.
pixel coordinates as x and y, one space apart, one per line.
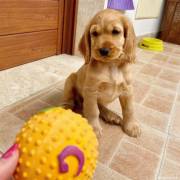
56 144
152 44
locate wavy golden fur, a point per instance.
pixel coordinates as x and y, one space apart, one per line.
108 47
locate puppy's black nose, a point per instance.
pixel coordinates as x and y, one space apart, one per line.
104 51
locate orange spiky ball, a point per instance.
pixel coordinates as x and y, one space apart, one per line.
56 144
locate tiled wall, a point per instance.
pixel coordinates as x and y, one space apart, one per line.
86 10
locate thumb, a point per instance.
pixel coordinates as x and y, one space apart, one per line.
8 162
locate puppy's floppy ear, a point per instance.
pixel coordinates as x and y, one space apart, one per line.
130 41
85 44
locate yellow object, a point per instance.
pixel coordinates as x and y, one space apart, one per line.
56 144
152 44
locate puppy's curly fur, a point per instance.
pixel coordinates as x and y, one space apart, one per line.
108 47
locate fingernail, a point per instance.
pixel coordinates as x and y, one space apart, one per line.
10 151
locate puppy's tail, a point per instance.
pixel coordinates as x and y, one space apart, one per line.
109 116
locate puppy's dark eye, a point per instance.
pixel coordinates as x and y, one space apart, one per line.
115 32
95 33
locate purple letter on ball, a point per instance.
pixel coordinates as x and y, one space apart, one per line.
70 151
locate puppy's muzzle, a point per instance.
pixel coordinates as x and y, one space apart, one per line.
104 51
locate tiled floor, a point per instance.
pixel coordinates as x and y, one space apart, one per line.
154 155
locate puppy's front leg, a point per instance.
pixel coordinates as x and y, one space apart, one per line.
130 125
91 111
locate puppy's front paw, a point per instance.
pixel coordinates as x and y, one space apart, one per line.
97 129
113 118
132 128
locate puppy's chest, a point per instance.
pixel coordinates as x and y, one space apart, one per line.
115 76
110 88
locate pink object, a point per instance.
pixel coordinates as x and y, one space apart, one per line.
70 151
10 151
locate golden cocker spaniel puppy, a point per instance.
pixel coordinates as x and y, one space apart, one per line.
108 47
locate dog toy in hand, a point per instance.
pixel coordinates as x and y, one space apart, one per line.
56 144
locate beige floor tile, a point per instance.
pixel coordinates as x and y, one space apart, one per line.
177 51
150 139
138 49
60 85
105 173
168 49
151 118
163 93
178 98
3 145
137 66
54 97
159 59
151 69
115 106
8 139
27 101
140 90
139 63
175 61
170 170
135 162
32 108
171 45
158 104
109 141
8 121
145 56
170 75
145 78
9 127
165 84
173 149
175 123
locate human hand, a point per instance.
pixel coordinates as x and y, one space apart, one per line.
8 162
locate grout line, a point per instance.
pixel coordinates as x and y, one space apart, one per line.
156 86
155 129
163 133
160 65
161 70
174 162
32 96
150 88
148 93
167 68
14 116
167 135
141 147
28 104
171 54
158 112
115 152
150 109
126 141
145 97
173 135
114 171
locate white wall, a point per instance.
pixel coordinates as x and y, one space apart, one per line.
144 26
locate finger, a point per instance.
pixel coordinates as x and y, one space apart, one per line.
8 165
